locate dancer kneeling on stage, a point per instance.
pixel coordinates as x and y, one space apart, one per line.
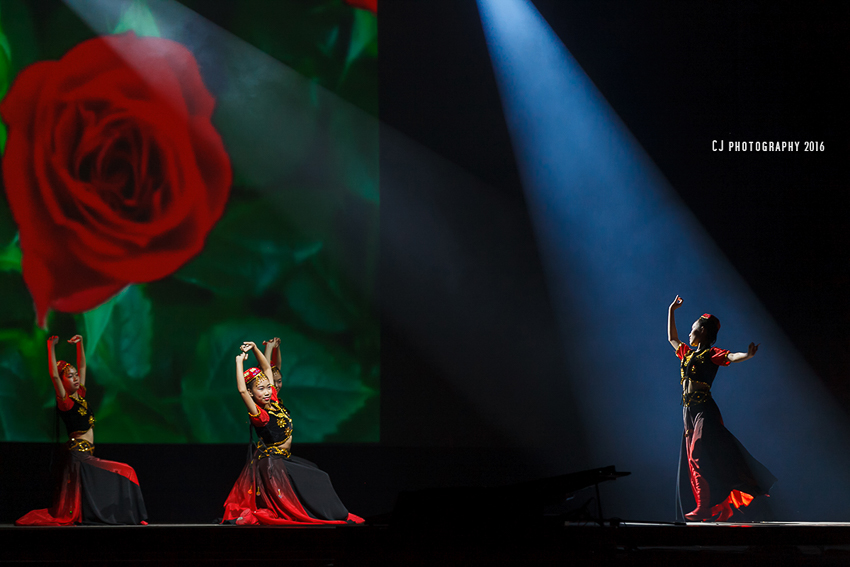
275 487
721 471
88 490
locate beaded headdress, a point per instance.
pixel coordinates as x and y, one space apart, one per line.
253 374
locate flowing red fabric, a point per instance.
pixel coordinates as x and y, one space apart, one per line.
700 486
66 508
263 494
123 469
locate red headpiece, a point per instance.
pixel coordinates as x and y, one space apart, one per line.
253 374
710 317
61 366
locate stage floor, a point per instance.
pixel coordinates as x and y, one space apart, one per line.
473 542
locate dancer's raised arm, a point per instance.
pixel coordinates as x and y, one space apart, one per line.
672 334
261 358
273 354
273 351
742 356
52 369
81 358
240 384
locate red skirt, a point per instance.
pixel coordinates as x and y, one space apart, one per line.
281 490
720 471
89 490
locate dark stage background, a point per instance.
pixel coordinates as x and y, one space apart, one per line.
476 385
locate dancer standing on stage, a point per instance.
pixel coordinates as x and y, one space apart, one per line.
275 487
89 490
722 473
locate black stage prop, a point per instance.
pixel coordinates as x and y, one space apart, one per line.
515 506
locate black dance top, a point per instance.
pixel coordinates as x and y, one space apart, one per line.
273 426
75 412
701 365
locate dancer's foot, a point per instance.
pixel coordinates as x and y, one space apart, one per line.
725 512
699 515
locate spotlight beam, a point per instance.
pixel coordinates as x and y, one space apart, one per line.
618 245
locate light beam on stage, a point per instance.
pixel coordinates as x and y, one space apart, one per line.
618 245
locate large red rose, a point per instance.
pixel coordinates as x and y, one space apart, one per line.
113 170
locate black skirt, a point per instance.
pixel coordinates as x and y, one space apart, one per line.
89 490
713 459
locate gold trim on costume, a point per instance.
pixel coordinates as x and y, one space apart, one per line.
686 361
81 446
276 449
694 398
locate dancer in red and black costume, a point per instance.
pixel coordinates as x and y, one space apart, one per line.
89 490
722 473
276 488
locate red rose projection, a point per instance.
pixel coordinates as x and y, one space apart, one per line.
113 169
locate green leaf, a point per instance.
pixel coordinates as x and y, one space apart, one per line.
315 303
19 30
5 77
5 64
10 257
307 251
130 417
119 338
329 44
322 394
245 253
138 18
96 320
22 417
269 120
18 312
354 152
364 31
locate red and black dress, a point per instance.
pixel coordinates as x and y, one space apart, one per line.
88 490
276 488
720 470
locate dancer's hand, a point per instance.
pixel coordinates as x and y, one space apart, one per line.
249 345
241 357
275 342
76 339
53 340
676 303
245 348
742 356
